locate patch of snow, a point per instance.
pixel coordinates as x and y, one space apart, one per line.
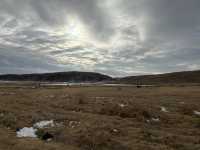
117 85
182 102
155 119
115 130
122 105
31 132
1 114
49 140
100 97
44 124
197 113
73 124
58 124
163 109
148 121
27 132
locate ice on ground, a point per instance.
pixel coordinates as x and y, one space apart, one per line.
115 130
73 124
163 109
148 121
155 119
100 97
31 132
44 124
27 132
122 105
197 113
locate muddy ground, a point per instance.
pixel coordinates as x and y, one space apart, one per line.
101 118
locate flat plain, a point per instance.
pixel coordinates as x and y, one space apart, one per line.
101 118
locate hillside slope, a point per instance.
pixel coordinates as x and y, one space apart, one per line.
58 77
186 77
168 78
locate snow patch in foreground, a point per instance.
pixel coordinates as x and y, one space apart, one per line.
155 119
197 113
163 109
31 132
27 132
122 105
44 124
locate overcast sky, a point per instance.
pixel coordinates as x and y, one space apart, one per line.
114 37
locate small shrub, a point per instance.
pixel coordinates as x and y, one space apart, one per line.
196 122
131 111
40 133
44 135
119 88
146 114
149 135
8 120
139 86
187 110
81 99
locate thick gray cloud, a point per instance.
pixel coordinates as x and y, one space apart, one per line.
116 37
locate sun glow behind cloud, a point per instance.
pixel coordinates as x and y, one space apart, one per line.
78 35
75 29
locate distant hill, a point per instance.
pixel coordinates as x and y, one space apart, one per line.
73 76
186 77
168 78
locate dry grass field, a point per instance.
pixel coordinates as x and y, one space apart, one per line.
101 118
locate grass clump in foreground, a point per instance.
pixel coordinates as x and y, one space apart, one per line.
8 120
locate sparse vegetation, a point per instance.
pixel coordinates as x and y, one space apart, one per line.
101 118
8 120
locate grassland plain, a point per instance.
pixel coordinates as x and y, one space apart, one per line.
102 118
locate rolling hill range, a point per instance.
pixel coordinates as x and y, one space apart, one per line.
186 77
58 77
168 78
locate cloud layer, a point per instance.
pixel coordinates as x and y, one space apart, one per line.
116 37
